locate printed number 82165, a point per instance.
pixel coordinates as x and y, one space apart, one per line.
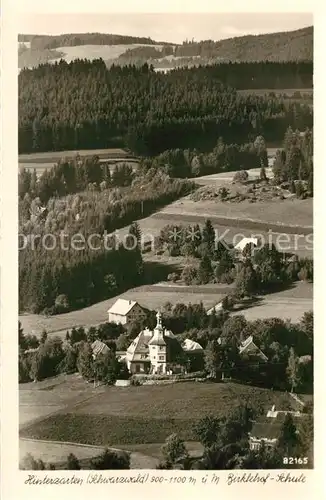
295 460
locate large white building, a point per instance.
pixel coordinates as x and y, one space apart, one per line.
158 351
125 312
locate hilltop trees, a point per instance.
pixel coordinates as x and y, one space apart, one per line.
75 273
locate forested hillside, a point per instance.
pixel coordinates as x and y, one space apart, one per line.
85 105
73 200
285 46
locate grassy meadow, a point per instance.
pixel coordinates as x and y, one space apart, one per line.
114 416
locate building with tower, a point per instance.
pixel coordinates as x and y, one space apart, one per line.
159 351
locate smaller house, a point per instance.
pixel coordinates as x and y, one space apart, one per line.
124 312
246 241
249 348
267 430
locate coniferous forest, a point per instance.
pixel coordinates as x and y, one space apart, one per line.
85 105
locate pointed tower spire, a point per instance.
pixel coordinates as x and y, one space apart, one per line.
159 321
158 333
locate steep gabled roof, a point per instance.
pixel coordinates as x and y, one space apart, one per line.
249 342
122 307
99 347
268 429
139 345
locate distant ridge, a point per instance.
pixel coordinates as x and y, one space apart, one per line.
43 42
124 49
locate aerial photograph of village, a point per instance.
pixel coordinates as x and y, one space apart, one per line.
166 242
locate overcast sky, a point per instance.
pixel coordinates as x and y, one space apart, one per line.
165 27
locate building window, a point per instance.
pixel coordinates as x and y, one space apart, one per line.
161 358
162 347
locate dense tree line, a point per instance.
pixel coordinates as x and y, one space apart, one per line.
293 163
72 275
187 163
86 105
256 75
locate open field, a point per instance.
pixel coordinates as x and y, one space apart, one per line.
51 452
57 453
284 308
291 303
117 416
38 400
227 177
292 213
53 156
105 52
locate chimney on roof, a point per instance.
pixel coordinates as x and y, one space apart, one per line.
129 302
